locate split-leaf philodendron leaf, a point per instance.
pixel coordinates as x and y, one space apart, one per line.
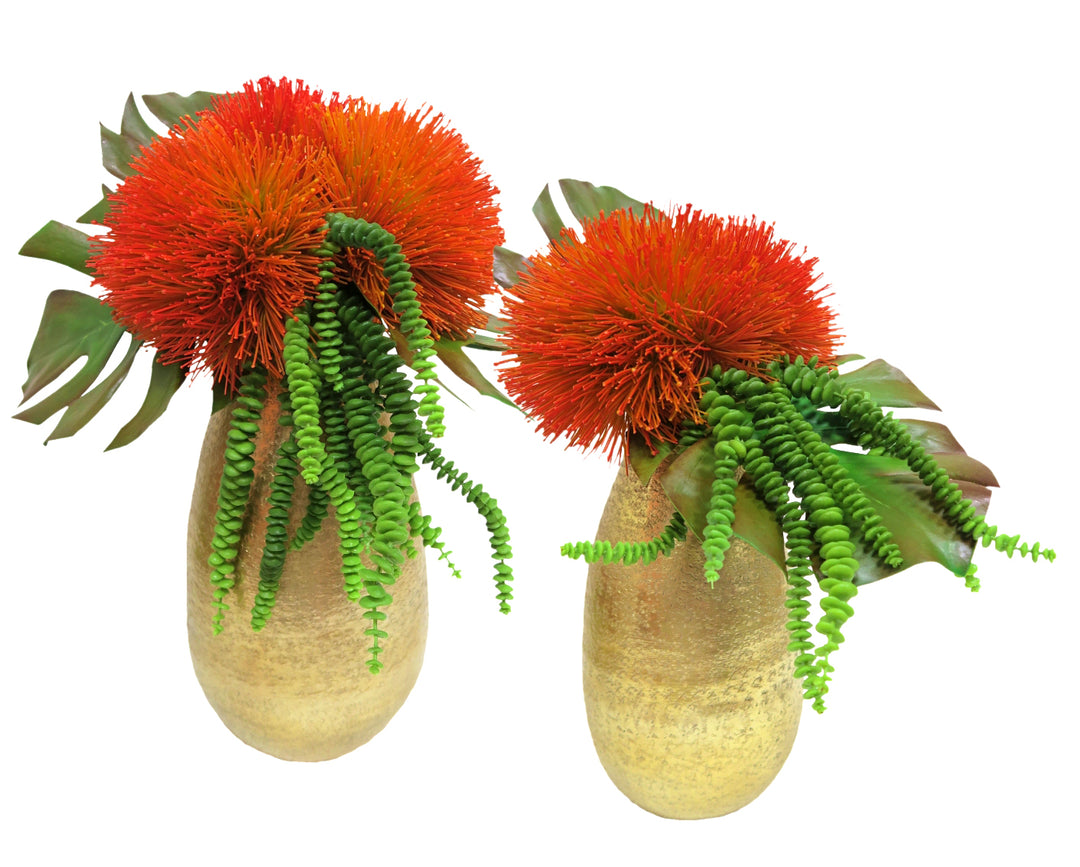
75 325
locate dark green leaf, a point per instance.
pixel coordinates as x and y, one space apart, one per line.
851 356
507 265
170 107
642 459
451 354
401 345
84 408
165 379
687 481
756 523
906 507
588 201
97 213
132 125
59 243
222 398
73 325
887 385
483 341
117 152
119 149
829 425
544 211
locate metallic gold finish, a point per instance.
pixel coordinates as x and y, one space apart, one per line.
689 689
299 689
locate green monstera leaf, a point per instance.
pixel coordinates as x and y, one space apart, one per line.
118 149
586 202
75 325
907 509
62 244
687 481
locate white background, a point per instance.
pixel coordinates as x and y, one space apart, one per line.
925 153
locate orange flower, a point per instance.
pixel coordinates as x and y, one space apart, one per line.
418 180
212 241
612 333
272 108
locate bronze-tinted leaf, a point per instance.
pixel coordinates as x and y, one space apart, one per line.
907 509
485 341
964 468
642 459
487 337
887 385
165 379
932 436
687 481
73 325
85 407
119 149
59 243
756 523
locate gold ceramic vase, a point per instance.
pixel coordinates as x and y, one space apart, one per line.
299 689
689 689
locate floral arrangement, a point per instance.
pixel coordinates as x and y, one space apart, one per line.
304 252
700 349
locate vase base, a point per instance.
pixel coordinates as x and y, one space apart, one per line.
689 687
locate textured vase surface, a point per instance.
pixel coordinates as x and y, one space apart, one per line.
299 689
688 688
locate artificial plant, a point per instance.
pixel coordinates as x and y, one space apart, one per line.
297 249
700 349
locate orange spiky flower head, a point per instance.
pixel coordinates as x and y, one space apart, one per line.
612 332
212 242
415 177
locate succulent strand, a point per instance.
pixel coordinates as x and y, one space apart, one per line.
489 510
373 237
357 438
629 553
276 543
235 487
758 423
